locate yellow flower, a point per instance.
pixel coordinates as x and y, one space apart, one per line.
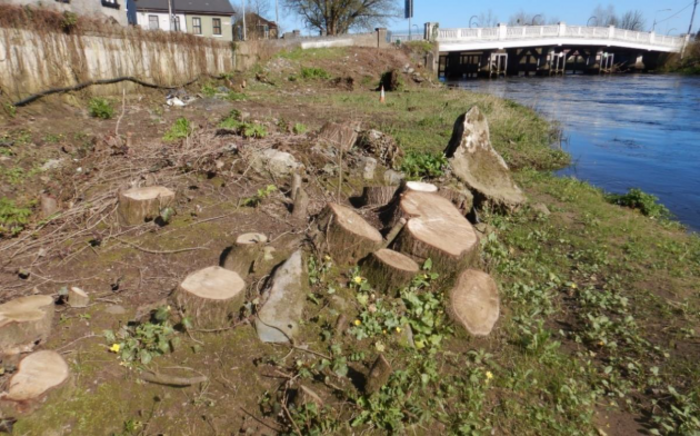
357 280
327 258
425 276
398 329
115 348
489 375
358 322
384 332
573 286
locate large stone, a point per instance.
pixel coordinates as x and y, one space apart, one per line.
475 162
276 163
283 302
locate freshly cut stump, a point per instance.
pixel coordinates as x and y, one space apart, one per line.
138 205
419 187
78 298
24 322
474 302
377 196
243 255
345 235
211 297
388 269
436 230
37 374
461 197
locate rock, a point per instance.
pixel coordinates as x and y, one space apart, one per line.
211 297
283 302
37 374
369 166
24 322
474 302
278 164
476 163
541 209
381 146
378 375
49 206
393 178
138 205
339 136
52 164
77 298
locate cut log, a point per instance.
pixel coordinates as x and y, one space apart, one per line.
378 375
377 196
242 255
138 205
474 302
345 235
24 322
418 187
436 230
36 375
78 298
211 297
389 270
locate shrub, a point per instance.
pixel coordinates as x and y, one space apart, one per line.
13 219
180 130
647 204
100 108
418 166
314 74
300 129
247 130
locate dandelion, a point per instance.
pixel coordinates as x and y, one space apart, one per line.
115 348
383 332
398 329
358 322
357 280
327 258
489 376
573 286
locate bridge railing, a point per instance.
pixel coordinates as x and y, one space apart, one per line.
561 30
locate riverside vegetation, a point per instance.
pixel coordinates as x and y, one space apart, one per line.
599 294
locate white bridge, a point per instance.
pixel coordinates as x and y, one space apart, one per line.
509 37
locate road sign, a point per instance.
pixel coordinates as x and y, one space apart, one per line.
409 9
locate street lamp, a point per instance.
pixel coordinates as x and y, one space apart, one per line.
588 24
534 18
470 21
669 32
653 27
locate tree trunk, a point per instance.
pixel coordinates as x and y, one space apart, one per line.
78 298
37 374
378 196
143 204
388 270
474 302
345 235
211 297
241 256
24 322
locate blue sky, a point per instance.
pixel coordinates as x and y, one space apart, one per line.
456 13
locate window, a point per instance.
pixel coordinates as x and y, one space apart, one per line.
153 22
109 4
176 23
216 22
197 25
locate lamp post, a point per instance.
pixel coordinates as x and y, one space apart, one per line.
669 32
470 21
653 27
588 23
534 18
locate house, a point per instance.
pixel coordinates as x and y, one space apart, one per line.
111 9
257 27
209 18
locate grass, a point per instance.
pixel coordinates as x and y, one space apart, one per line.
100 108
180 130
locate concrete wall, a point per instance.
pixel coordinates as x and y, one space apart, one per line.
91 8
34 62
208 26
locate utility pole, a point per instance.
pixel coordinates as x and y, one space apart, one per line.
277 17
692 18
244 29
170 14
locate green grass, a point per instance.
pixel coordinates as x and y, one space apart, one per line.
180 130
100 108
312 73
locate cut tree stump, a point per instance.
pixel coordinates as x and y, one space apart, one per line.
474 302
461 197
389 270
436 230
78 298
345 235
24 322
300 209
377 196
138 205
378 375
244 253
418 187
211 297
340 136
37 374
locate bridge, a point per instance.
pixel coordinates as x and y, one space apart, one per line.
550 49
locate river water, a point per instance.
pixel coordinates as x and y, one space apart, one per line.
625 131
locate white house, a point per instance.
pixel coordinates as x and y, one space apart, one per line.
159 21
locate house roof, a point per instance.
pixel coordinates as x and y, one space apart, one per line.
211 7
257 19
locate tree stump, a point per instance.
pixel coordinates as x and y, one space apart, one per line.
339 136
388 269
24 322
474 302
436 230
138 205
377 196
78 298
300 209
211 297
37 374
378 375
392 213
461 197
241 256
418 187
345 235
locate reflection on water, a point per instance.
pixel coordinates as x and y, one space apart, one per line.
638 131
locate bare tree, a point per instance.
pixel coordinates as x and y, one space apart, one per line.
339 16
523 18
259 7
605 16
488 19
632 20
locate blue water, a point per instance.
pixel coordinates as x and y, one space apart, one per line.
626 131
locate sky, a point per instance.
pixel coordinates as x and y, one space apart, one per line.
456 13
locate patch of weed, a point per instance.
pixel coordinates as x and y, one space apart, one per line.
313 73
100 108
180 130
13 218
647 204
426 165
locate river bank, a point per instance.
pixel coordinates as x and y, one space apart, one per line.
600 306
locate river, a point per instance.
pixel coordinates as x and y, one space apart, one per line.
624 131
